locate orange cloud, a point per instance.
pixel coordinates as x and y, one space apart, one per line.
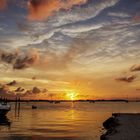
135 68
129 78
20 60
42 9
3 4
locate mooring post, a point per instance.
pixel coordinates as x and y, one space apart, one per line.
18 107
15 106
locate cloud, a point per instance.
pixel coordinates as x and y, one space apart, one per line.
33 91
135 68
63 61
137 89
4 89
136 18
23 26
47 60
28 92
6 92
34 78
3 4
32 57
8 57
20 60
42 9
19 89
128 79
13 83
119 14
36 90
44 90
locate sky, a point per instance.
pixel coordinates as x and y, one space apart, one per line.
70 49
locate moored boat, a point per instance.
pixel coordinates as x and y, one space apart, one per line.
4 109
34 107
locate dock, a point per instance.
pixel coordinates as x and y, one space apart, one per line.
122 126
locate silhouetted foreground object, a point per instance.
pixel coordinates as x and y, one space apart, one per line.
122 126
4 108
110 123
4 121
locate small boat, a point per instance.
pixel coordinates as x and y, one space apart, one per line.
91 101
34 107
57 102
126 101
4 109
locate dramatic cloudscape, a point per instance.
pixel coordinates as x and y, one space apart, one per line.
88 49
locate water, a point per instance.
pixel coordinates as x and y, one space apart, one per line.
64 121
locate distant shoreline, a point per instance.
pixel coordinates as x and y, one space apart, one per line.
90 101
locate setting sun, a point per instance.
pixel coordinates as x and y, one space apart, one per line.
71 95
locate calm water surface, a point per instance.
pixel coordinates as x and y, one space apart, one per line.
64 121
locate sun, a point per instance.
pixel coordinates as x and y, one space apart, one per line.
71 95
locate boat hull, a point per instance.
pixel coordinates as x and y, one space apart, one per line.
3 112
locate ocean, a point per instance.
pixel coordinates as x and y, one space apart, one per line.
64 121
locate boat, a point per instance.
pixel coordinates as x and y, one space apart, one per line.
57 102
4 109
4 121
34 107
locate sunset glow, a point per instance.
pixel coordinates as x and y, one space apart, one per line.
90 47
68 65
71 95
